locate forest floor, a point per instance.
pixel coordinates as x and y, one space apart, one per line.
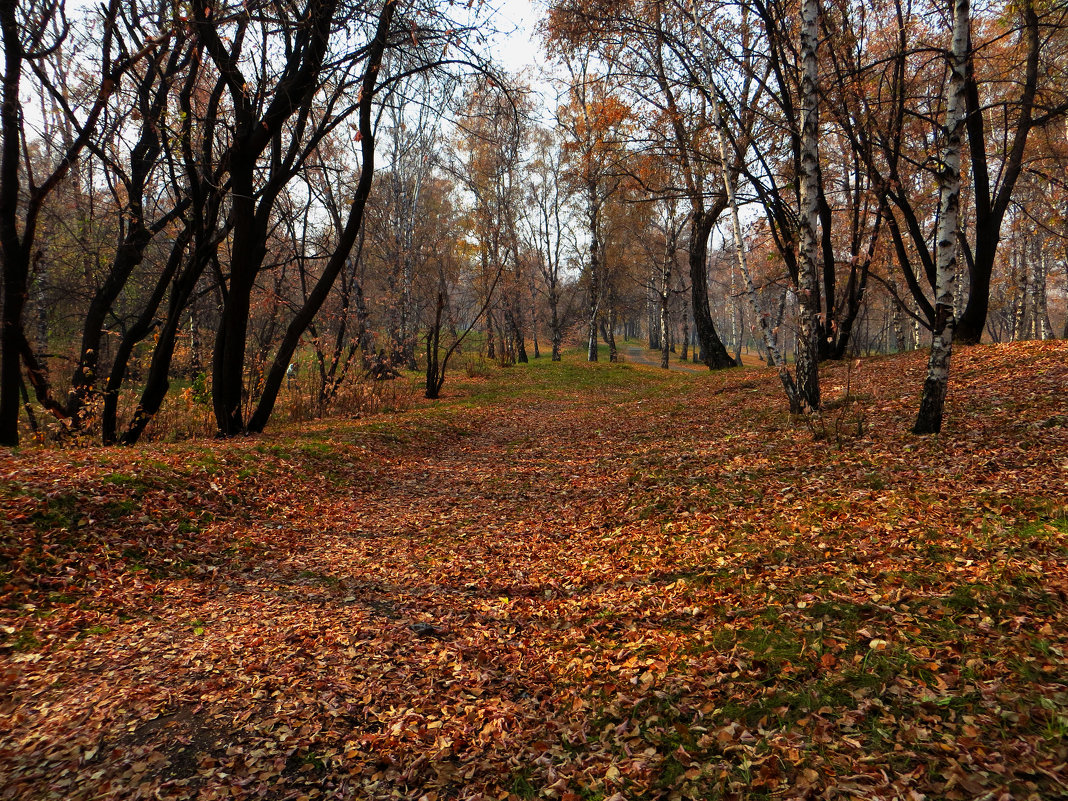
564 581
638 354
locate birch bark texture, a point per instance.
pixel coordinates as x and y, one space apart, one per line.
929 418
808 383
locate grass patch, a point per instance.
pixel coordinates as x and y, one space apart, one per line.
138 485
23 640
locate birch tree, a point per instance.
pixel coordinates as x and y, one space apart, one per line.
929 419
797 406
414 111
595 124
808 382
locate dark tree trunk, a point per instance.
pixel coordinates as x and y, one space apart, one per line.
247 254
348 236
136 333
251 210
157 382
17 245
435 373
152 98
990 210
713 352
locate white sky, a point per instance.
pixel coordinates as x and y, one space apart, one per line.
518 47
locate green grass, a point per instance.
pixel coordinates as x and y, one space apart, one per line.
571 376
322 578
138 485
24 640
522 786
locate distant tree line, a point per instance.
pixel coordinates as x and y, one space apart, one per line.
226 193
844 123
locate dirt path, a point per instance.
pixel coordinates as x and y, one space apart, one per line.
602 581
636 354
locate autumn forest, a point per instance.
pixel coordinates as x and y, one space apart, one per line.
682 416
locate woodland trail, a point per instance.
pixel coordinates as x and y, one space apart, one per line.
637 354
565 582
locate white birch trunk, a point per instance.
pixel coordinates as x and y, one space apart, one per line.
808 247
1045 331
896 318
929 418
665 295
594 305
1018 281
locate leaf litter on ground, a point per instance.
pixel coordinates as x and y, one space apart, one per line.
569 582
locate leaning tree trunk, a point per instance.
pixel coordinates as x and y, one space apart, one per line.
990 208
808 383
713 352
141 328
17 236
929 419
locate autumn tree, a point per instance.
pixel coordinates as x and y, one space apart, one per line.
929 419
489 147
145 210
547 224
899 91
32 32
456 284
271 108
595 125
656 44
414 110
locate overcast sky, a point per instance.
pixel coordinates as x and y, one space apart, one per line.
518 48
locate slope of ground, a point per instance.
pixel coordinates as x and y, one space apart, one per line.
568 582
638 354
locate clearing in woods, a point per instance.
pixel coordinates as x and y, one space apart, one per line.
566 581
